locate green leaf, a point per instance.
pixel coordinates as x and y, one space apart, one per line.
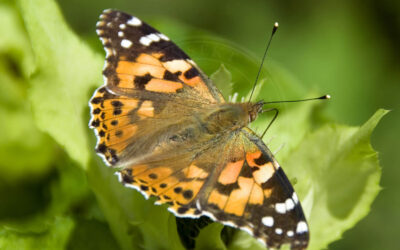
222 79
256 92
337 174
136 222
91 235
340 179
56 237
345 172
210 237
19 136
60 91
18 132
69 200
66 71
68 188
243 240
15 44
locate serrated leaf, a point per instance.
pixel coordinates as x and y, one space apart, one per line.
222 79
338 179
15 44
66 71
256 92
18 132
338 175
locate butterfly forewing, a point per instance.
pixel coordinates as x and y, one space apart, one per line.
148 78
141 58
152 120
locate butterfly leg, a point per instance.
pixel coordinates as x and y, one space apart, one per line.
273 119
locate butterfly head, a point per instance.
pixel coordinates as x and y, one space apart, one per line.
254 109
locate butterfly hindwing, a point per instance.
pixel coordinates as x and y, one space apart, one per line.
235 181
178 177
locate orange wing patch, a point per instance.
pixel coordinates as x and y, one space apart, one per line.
165 86
139 69
256 196
150 73
238 198
195 172
146 109
230 173
166 185
218 199
112 118
152 59
264 171
118 135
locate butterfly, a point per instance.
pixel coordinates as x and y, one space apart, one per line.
161 121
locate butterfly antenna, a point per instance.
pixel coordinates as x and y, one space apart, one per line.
277 111
263 59
302 100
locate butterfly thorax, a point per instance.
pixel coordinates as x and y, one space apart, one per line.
231 116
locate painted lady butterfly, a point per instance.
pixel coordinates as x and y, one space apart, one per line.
169 129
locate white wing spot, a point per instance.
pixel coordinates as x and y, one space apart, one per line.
268 221
122 26
126 43
280 208
100 23
290 233
119 176
289 204
164 37
301 227
145 40
191 62
134 21
278 231
120 33
154 37
295 198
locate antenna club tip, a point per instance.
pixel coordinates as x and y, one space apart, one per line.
276 24
327 96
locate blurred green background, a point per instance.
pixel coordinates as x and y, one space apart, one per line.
349 49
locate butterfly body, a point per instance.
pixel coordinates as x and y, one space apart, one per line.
162 122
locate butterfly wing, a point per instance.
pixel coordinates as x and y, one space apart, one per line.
141 58
147 79
233 179
253 193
